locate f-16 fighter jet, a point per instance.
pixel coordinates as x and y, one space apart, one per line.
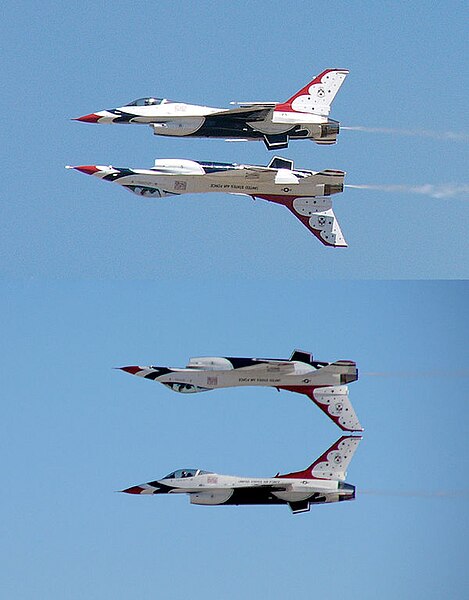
324 383
305 193
304 116
320 483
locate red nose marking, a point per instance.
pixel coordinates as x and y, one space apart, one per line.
91 118
136 489
88 169
131 370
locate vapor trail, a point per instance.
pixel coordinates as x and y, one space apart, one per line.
436 135
417 493
429 373
442 190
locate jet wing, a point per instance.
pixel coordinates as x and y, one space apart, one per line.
251 113
282 367
279 176
298 501
269 104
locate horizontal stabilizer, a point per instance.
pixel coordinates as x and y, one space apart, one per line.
299 506
281 163
302 356
276 141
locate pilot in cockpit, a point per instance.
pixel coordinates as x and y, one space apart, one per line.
152 101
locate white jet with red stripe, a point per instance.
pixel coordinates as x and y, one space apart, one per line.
307 194
304 116
323 482
324 383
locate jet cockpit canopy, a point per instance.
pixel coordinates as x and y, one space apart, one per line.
146 102
182 473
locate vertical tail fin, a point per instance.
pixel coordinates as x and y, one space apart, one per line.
334 401
332 464
317 96
327 388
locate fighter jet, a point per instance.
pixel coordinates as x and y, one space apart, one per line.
320 483
305 193
324 383
304 116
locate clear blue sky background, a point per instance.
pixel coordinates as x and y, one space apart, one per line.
408 69
91 277
73 430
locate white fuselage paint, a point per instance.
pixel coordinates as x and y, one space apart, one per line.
270 376
160 112
292 373
213 489
241 180
325 385
212 481
180 119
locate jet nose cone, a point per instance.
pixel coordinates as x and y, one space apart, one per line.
88 169
136 489
132 370
91 118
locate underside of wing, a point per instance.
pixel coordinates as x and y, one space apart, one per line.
238 495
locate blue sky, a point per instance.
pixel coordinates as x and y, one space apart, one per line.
74 430
92 277
408 70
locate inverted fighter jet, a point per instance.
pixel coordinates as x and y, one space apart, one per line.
324 383
320 483
305 193
304 116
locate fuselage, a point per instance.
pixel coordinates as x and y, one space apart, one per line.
303 116
305 193
200 375
180 176
324 383
208 488
179 119
323 481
